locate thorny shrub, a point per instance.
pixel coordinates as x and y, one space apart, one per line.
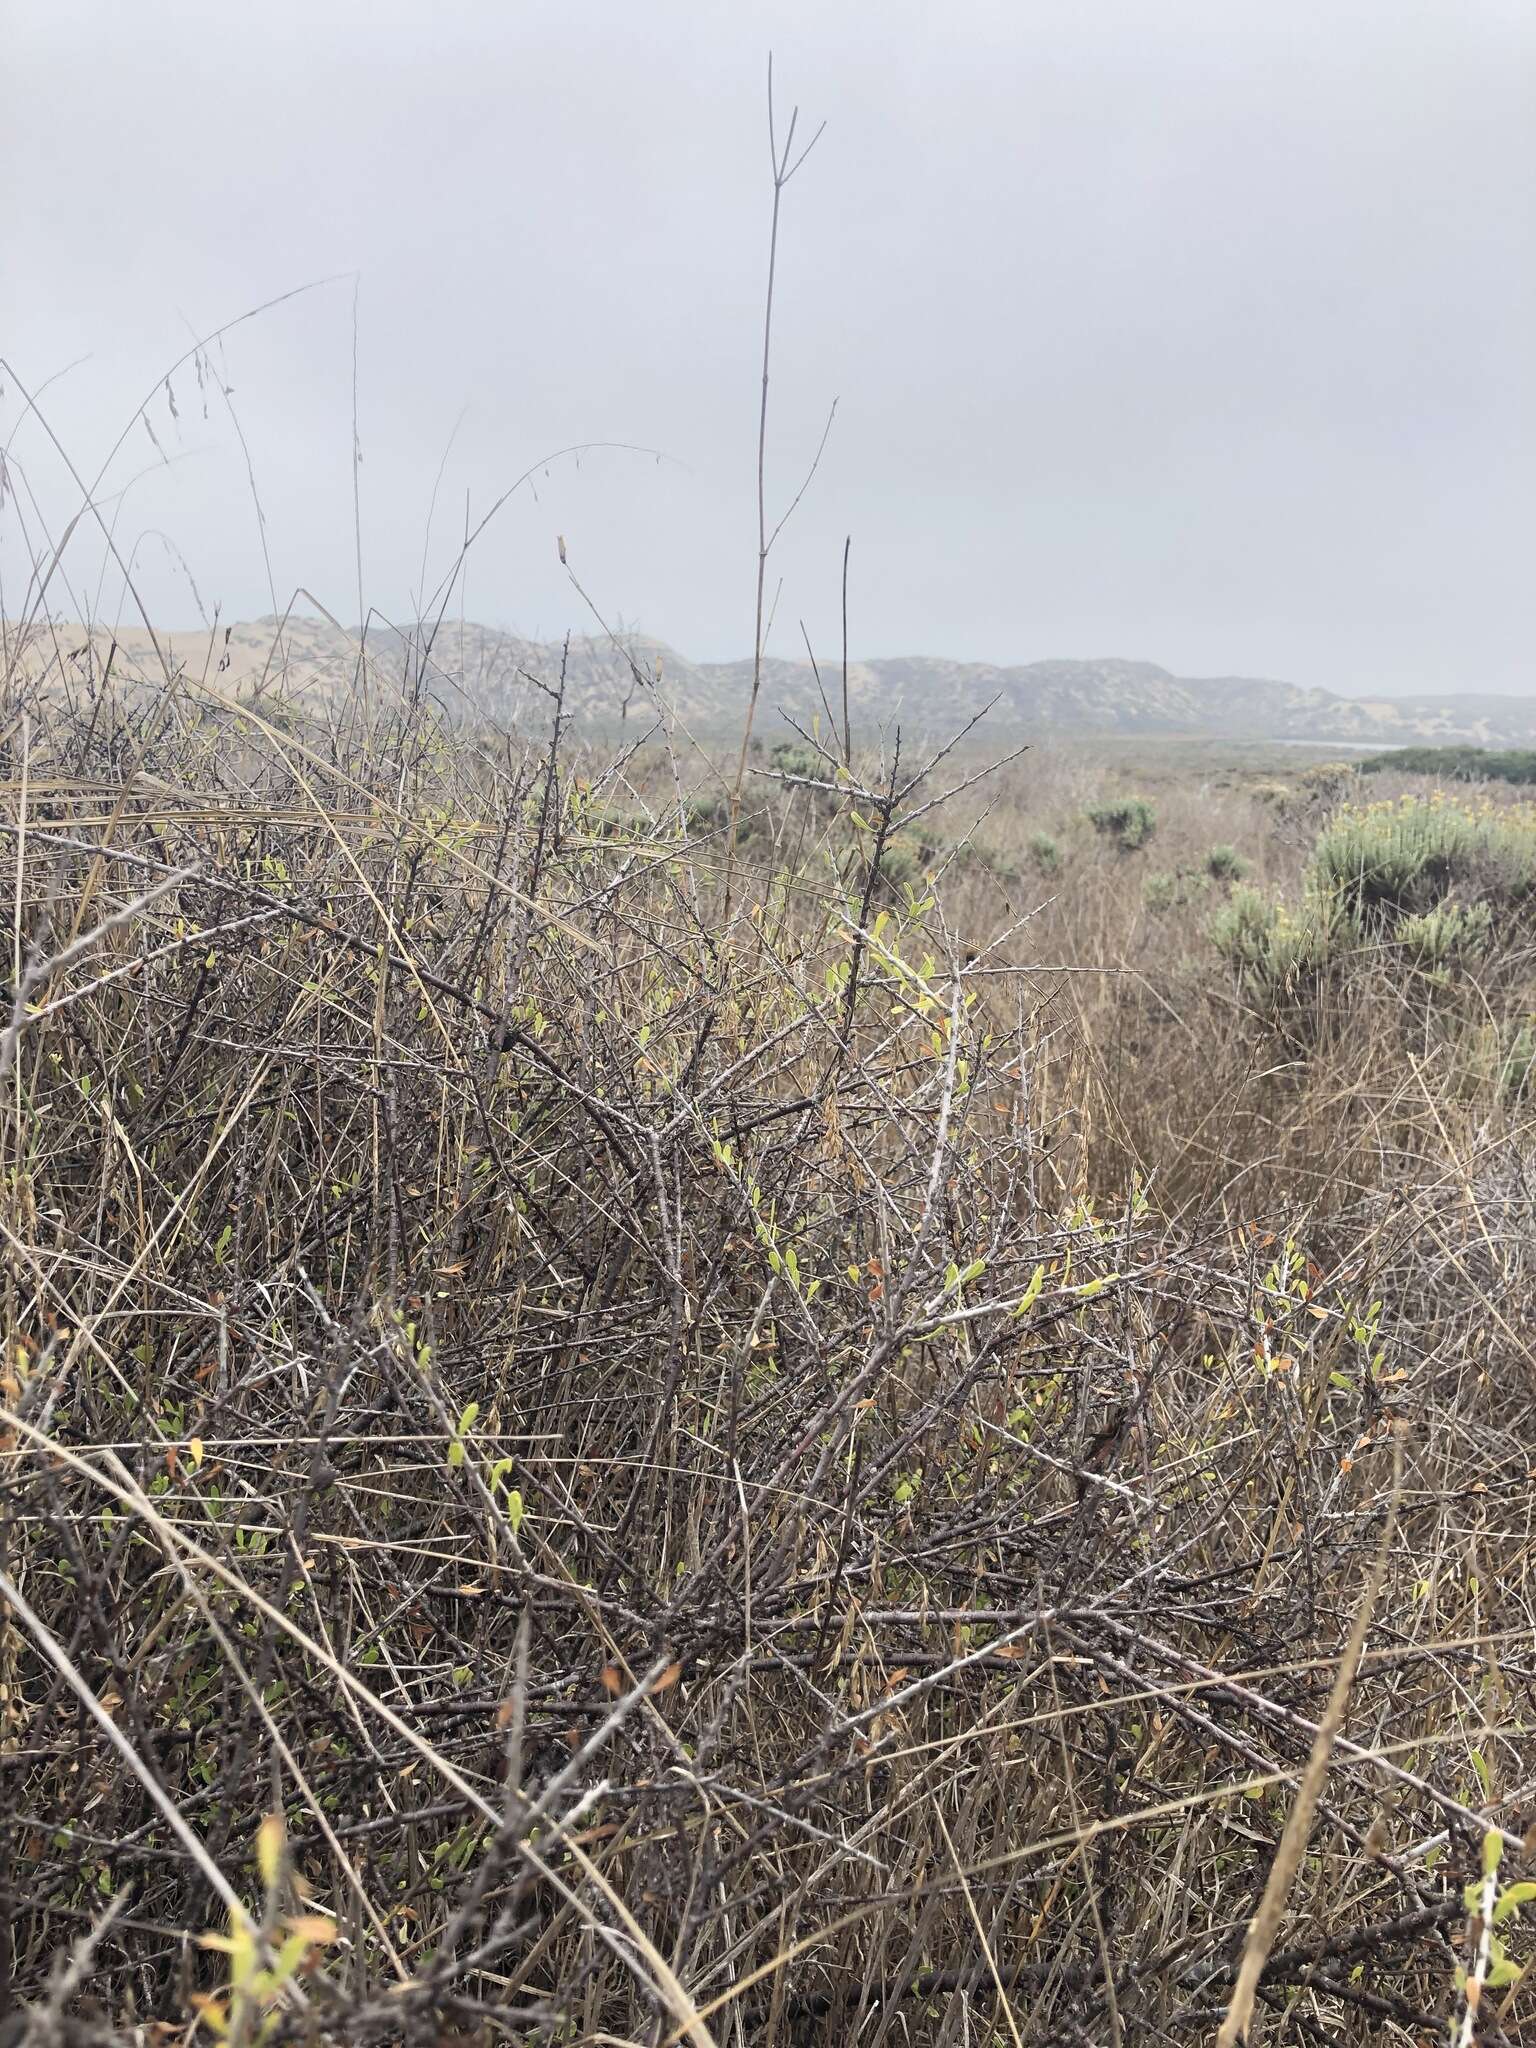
573 1471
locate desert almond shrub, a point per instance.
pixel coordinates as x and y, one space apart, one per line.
572 1473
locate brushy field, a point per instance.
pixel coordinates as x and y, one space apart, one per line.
608 1442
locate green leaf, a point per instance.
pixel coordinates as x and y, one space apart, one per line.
1493 1841
1090 1288
1511 1899
1031 1293
1501 1970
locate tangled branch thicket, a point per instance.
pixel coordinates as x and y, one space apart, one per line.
577 1473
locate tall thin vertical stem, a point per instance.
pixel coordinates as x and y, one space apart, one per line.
784 164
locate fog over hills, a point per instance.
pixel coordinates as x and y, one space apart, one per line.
475 670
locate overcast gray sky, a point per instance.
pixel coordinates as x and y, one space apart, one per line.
1195 330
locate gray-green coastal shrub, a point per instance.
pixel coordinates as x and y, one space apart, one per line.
1129 821
1447 936
1392 861
1278 952
1044 852
1439 885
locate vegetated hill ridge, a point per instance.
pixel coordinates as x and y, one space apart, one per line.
475 669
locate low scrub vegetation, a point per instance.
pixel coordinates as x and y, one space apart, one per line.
1225 864
1456 764
1128 821
1440 883
1044 853
615 1438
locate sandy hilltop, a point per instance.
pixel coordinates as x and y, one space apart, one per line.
477 670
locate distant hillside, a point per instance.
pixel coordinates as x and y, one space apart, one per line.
478 670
